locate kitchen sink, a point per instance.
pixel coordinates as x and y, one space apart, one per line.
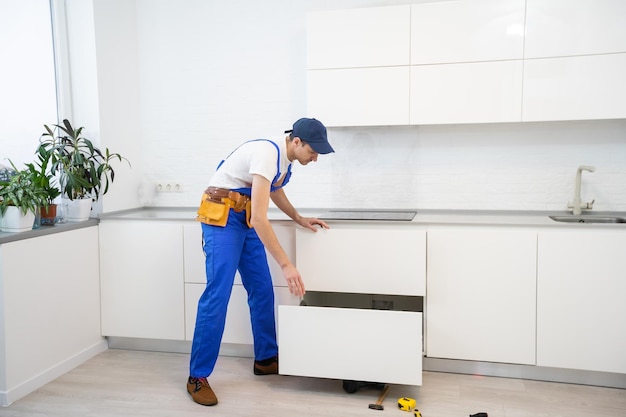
589 218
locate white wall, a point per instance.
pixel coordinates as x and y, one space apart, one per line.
216 73
194 78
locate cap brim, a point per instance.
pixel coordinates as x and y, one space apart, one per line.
321 147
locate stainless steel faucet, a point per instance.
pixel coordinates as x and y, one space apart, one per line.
577 205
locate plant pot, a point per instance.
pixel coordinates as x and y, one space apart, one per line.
48 215
14 221
77 210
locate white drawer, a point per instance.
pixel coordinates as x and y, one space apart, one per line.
369 259
352 344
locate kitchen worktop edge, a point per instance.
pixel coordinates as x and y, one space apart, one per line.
423 216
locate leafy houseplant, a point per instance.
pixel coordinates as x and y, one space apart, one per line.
20 198
44 180
85 172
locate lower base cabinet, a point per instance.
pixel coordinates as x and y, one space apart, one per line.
481 296
351 344
581 284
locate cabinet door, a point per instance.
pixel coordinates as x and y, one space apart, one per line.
467 31
360 96
481 295
363 259
238 328
141 270
484 92
580 300
583 87
369 37
195 261
574 27
351 344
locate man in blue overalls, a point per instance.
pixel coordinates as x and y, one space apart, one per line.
236 231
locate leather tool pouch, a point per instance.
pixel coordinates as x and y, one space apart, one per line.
213 212
248 212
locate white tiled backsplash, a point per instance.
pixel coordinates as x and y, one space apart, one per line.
516 166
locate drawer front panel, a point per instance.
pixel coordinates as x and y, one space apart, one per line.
370 260
351 344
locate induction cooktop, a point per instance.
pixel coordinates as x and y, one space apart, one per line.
382 215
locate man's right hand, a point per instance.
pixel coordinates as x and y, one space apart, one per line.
294 280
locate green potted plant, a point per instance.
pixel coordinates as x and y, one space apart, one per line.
85 172
44 180
20 198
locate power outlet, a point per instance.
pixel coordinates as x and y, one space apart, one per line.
169 187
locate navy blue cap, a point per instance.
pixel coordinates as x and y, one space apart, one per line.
313 132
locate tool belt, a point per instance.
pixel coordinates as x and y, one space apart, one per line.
217 202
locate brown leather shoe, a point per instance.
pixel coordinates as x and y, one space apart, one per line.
266 367
200 391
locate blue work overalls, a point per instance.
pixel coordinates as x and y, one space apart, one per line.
228 249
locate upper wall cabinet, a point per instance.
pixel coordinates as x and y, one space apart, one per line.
467 31
374 96
475 92
575 88
367 37
557 28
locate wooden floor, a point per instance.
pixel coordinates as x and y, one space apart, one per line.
120 383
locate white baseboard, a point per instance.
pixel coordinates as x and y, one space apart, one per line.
38 381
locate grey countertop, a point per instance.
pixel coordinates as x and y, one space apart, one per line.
428 217
422 217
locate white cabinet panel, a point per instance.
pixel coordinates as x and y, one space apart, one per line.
467 31
142 287
238 328
574 27
369 259
481 295
193 254
584 87
195 261
367 37
351 344
580 308
359 97
484 92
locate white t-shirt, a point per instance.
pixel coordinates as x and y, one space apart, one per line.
252 157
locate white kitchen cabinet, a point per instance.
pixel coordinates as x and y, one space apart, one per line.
351 344
141 272
194 255
371 259
238 328
580 300
571 88
481 294
49 308
366 37
362 261
481 92
556 28
359 96
467 31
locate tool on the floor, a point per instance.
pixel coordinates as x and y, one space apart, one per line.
481 414
379 403
406 404
351 386
417 413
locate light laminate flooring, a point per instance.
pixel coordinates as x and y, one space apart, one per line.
135 383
